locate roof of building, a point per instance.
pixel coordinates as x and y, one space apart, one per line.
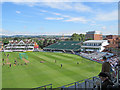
95 41
93 32
17 42
65 45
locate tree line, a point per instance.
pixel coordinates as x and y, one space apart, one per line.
43 42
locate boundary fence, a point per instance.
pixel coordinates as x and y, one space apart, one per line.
45 87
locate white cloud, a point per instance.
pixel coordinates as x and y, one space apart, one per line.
18 12
68 6
59 14
65 16
43 11
56 13
76 19
62 5
108 16
60 1
21 0
104 28
52 18
81 7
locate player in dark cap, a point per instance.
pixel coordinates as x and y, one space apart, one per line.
105 80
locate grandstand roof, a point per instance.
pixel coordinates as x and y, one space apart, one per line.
95 41
65 45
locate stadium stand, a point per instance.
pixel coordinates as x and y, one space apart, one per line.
64 46
96 56
90 83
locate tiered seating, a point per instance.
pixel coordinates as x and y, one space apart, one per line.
97 55
65 45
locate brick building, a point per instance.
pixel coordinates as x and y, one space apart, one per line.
114 43
93 35
113 40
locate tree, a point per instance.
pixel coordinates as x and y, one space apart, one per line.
45 43
50 42
78 37
5 41
40 44
54 41
89 39
75 37
15 38
82 37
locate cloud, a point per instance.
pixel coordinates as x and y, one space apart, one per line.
18 12
52 18
65 16
108 16
43 11
79 7
59 14
60 1
104 28
62 5
56 13
76 19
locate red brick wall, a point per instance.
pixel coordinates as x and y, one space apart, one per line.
98 37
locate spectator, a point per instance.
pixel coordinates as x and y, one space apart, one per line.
105 80
116 69
118 64
106 67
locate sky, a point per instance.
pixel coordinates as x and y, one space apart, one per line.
58 18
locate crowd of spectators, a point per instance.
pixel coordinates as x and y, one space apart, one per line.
109 71
96 56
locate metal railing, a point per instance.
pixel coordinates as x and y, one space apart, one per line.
83 84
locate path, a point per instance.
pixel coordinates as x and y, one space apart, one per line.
7 61
26 61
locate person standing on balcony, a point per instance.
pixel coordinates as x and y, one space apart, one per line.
106 82
106 67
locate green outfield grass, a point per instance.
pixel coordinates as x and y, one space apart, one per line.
36 74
